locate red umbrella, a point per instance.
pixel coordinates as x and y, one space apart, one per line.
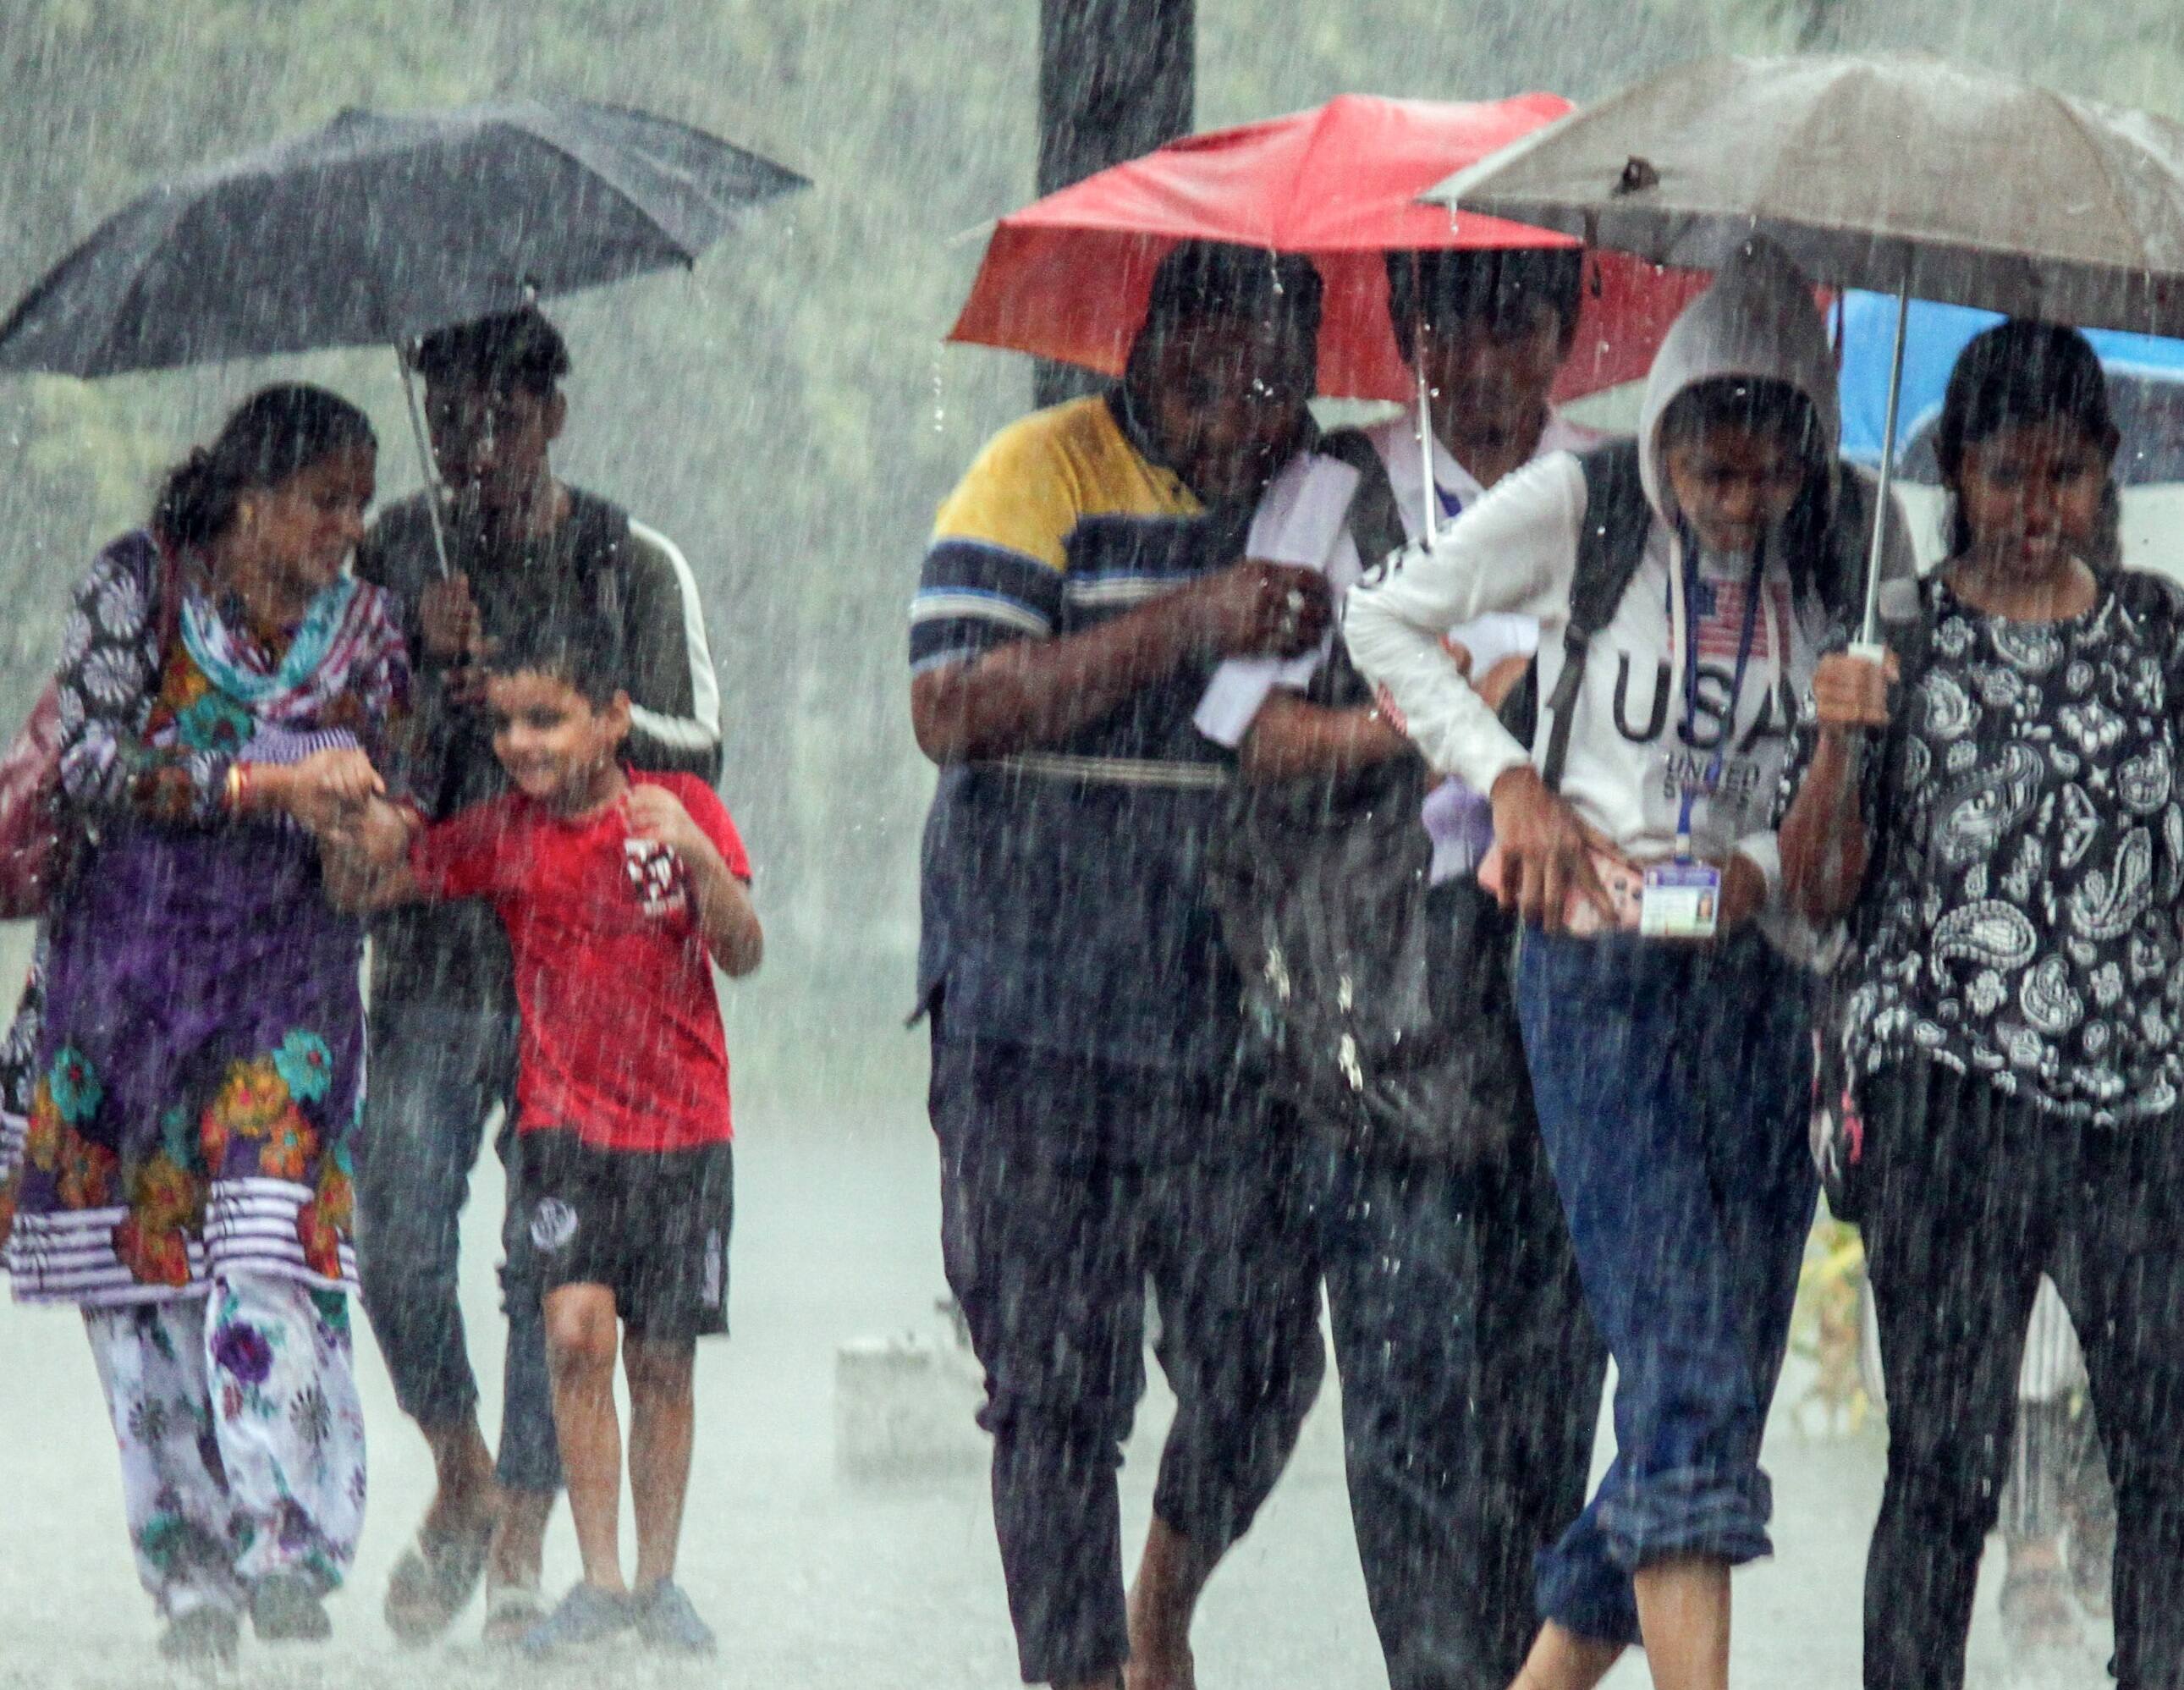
1067 276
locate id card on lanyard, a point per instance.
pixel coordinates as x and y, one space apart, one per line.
1682 897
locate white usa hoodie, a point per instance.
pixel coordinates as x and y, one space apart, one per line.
1631 749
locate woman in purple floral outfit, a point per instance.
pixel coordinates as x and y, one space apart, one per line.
184 1170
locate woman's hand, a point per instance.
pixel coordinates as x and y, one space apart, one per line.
1849 693
324 791
1547 852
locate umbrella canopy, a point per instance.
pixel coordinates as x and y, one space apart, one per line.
1067 277
1904 174
378 228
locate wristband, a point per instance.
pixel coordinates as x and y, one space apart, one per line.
238 786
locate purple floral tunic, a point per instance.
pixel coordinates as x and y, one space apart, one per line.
199 1067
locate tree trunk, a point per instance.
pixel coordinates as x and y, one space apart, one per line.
1116 79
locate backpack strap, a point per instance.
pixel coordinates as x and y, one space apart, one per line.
1375 525
1376 528
1617 518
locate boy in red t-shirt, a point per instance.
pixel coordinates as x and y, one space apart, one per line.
618 891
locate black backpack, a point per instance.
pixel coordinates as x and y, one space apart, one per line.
1378 1008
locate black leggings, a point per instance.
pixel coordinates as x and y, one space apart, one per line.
1973 1196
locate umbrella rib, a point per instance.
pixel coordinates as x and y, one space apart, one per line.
109 360
1323 120
569 155
2118 200
55 280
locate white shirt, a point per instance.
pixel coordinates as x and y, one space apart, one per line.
1293 526
1632 747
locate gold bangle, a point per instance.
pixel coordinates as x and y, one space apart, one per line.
238 783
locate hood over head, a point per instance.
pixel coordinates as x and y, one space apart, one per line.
1759 320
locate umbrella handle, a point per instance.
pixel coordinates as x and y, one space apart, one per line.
1429 498
1871 634
426 460
1428 490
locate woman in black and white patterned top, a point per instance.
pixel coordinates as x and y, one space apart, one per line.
2008 845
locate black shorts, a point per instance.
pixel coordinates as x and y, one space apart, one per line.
650 1226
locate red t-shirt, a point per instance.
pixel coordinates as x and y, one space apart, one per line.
621 1037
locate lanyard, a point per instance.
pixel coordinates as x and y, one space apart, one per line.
1686 577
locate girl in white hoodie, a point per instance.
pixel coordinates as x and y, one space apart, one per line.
1672 1075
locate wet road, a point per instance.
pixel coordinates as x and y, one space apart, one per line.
813 1581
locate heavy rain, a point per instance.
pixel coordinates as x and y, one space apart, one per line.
1134 844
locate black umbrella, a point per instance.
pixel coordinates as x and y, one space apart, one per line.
378 229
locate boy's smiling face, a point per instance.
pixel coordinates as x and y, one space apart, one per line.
556 745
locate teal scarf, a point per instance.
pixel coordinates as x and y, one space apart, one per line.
215 652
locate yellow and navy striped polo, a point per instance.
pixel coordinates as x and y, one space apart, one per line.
1065 905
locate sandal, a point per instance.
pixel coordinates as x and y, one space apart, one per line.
433 1582
2036 1612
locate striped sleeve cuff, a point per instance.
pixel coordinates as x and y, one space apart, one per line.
972 596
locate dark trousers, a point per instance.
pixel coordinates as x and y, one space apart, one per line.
434 1078
1066 1186
1471 1382
1674 1086
1974 1194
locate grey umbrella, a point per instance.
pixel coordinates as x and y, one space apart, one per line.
379 228
1906 176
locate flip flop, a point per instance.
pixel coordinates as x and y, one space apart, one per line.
433 1582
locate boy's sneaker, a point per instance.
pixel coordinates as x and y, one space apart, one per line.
285 1609
667 1620
586 1615
513 1611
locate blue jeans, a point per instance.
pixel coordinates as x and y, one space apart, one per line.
1471 1382
1674 1086
434 1077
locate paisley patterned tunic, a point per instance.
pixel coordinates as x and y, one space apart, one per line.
2020 915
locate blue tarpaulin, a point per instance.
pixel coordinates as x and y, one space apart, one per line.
1937 334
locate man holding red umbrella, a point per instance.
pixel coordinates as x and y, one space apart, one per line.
1471 1373
1084 582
